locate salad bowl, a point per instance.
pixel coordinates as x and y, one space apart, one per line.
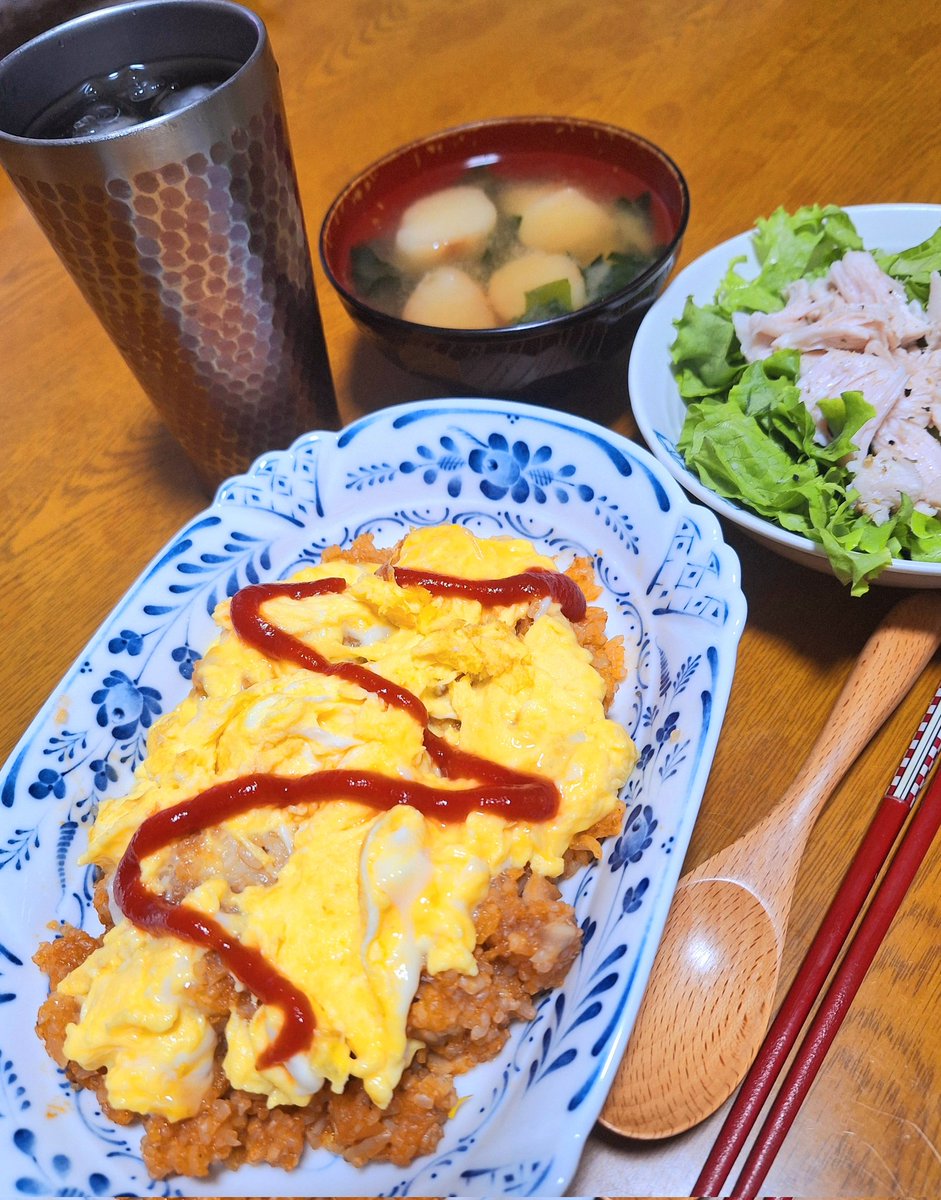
660 410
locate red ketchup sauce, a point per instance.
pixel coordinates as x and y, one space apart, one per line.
497 789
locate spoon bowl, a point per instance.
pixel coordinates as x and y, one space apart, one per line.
718 959
709 1000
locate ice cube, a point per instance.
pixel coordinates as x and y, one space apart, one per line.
182 98
101 119
134 84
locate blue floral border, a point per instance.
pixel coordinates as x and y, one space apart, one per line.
571 487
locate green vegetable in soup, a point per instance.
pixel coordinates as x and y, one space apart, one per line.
375 279
610 274
550 300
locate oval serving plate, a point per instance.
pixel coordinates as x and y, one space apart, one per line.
659 408
671 587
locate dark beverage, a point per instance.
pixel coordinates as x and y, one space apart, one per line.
130 96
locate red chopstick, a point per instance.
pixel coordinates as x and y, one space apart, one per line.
857 883
866 942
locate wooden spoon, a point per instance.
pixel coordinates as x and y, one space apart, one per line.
709 1000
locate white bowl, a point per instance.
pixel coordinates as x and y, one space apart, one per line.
660 410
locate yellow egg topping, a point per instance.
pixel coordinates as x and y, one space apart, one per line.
349 904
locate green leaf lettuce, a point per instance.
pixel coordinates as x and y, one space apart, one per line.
747 434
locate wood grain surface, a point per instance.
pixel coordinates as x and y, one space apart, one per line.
761 104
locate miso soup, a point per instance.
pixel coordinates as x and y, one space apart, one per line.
507 241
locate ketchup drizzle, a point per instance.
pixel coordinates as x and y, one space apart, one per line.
497 788
526 586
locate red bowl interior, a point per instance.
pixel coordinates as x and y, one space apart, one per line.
611 161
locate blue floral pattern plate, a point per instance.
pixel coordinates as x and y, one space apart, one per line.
671 587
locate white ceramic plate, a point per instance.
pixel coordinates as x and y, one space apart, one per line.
671 587
660 410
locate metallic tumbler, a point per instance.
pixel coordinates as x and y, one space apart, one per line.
185 233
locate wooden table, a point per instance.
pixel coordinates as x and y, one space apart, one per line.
761 104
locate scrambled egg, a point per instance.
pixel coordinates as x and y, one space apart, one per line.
348 903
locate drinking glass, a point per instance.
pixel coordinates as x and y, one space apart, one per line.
184 229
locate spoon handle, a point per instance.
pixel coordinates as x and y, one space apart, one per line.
889 664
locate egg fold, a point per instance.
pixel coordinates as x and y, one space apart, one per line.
350 904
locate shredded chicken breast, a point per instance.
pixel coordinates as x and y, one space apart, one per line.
857 330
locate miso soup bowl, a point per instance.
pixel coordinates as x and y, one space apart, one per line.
516 359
